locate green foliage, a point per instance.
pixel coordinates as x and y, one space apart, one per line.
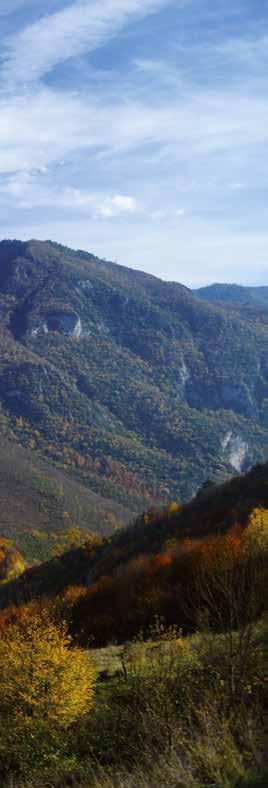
165 713
140 405
35 498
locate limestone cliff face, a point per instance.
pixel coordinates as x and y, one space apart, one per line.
235 449
67 323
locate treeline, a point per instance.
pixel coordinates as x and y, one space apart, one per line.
177 585
159 549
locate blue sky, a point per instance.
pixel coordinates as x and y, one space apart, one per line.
138 129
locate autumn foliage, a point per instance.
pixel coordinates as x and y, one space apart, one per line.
179 582
11 562
41 676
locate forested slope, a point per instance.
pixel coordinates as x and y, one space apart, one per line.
135 385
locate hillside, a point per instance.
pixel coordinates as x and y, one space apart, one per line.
42 509
234 294
215 511
165 626
134 385
251 303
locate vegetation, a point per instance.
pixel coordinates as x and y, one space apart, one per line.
116 576
130 657
168 714
132 385
45 511
182 700
235 294
45 686
11 562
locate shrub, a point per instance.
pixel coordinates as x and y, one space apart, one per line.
45 685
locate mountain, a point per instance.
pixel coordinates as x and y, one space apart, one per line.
234 294
250 302
135 387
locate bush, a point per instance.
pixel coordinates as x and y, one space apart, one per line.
45 685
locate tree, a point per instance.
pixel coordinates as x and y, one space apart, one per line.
41 677
11 562
231 583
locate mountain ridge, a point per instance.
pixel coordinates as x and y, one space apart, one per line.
227 292
135 385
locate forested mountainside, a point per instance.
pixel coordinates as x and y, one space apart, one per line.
251 303
44 510
134 385
126 579
235 294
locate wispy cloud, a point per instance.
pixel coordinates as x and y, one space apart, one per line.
31 191
193 125
249 51
79 28
168 135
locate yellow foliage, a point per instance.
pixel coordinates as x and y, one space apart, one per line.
41 676
173 508
256 533
38 534
11 562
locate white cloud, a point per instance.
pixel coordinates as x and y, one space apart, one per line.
237 186
48 126
114 206
189 154
100 205
246 51
27 191
79 28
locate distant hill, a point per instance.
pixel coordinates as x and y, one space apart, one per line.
250 302
40 505
235 294
136 387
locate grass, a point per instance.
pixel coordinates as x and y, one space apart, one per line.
160 719
107 660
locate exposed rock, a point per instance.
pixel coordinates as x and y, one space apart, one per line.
85 285
236 449
226 439
184 372
67 323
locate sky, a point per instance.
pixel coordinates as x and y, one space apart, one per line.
138 130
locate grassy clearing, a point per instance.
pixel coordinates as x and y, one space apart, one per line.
163 716
107 660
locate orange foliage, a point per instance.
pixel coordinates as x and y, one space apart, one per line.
125 600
